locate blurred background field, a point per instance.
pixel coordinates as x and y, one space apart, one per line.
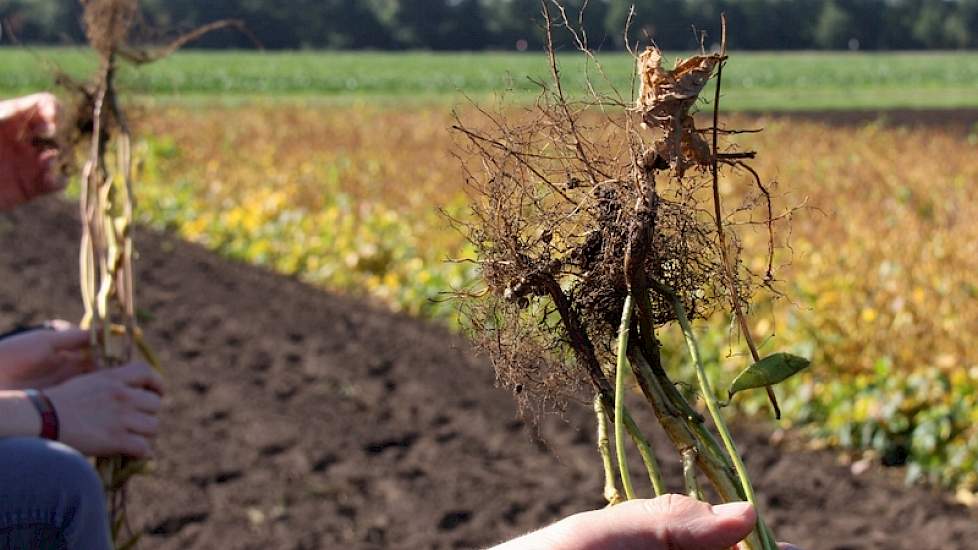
753 80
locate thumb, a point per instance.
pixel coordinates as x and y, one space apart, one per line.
681 523
140 375
721 526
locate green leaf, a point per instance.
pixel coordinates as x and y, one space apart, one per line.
768 371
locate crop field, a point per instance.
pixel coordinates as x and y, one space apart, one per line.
353 173
880 260
753 81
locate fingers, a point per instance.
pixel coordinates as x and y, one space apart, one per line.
78 361
695 524
32 116
140 375
144 401
52 179
145 425
67 338
44 114
136 446
71 364
29 164
140 422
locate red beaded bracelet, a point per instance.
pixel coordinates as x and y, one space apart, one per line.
49 417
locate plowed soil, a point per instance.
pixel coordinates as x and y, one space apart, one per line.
299 419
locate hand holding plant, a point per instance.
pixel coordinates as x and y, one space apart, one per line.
44 357
110 412
28 156
672 522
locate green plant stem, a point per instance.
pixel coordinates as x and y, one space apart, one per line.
714 407
626 319
689 473
648 457
611 493
686 432
622 416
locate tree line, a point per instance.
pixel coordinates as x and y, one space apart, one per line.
517 24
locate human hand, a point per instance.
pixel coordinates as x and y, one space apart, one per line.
42 358
673 522
110 411
28 166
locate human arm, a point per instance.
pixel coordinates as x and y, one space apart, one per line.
18 417
673 522
44 356
28 157
108 412
37 358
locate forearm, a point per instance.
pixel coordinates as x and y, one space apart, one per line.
18 417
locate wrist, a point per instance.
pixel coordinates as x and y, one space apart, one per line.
45 409
18 416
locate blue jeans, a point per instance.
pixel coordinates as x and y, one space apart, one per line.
50 498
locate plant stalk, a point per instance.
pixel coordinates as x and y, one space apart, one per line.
686 432
648 457
689 473
626 321
611 493
714 407
718 213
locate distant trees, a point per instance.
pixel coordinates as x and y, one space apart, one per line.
516 24
835 28
436 25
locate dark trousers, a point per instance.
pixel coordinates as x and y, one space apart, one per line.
50 498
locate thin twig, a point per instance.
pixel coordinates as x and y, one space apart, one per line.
141 57
769 274
518 156
728 270
562 101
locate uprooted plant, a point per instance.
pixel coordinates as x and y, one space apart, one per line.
597 223
106 203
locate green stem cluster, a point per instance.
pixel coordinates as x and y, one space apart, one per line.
688 433
709 395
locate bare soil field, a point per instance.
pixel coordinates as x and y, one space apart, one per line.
297 419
